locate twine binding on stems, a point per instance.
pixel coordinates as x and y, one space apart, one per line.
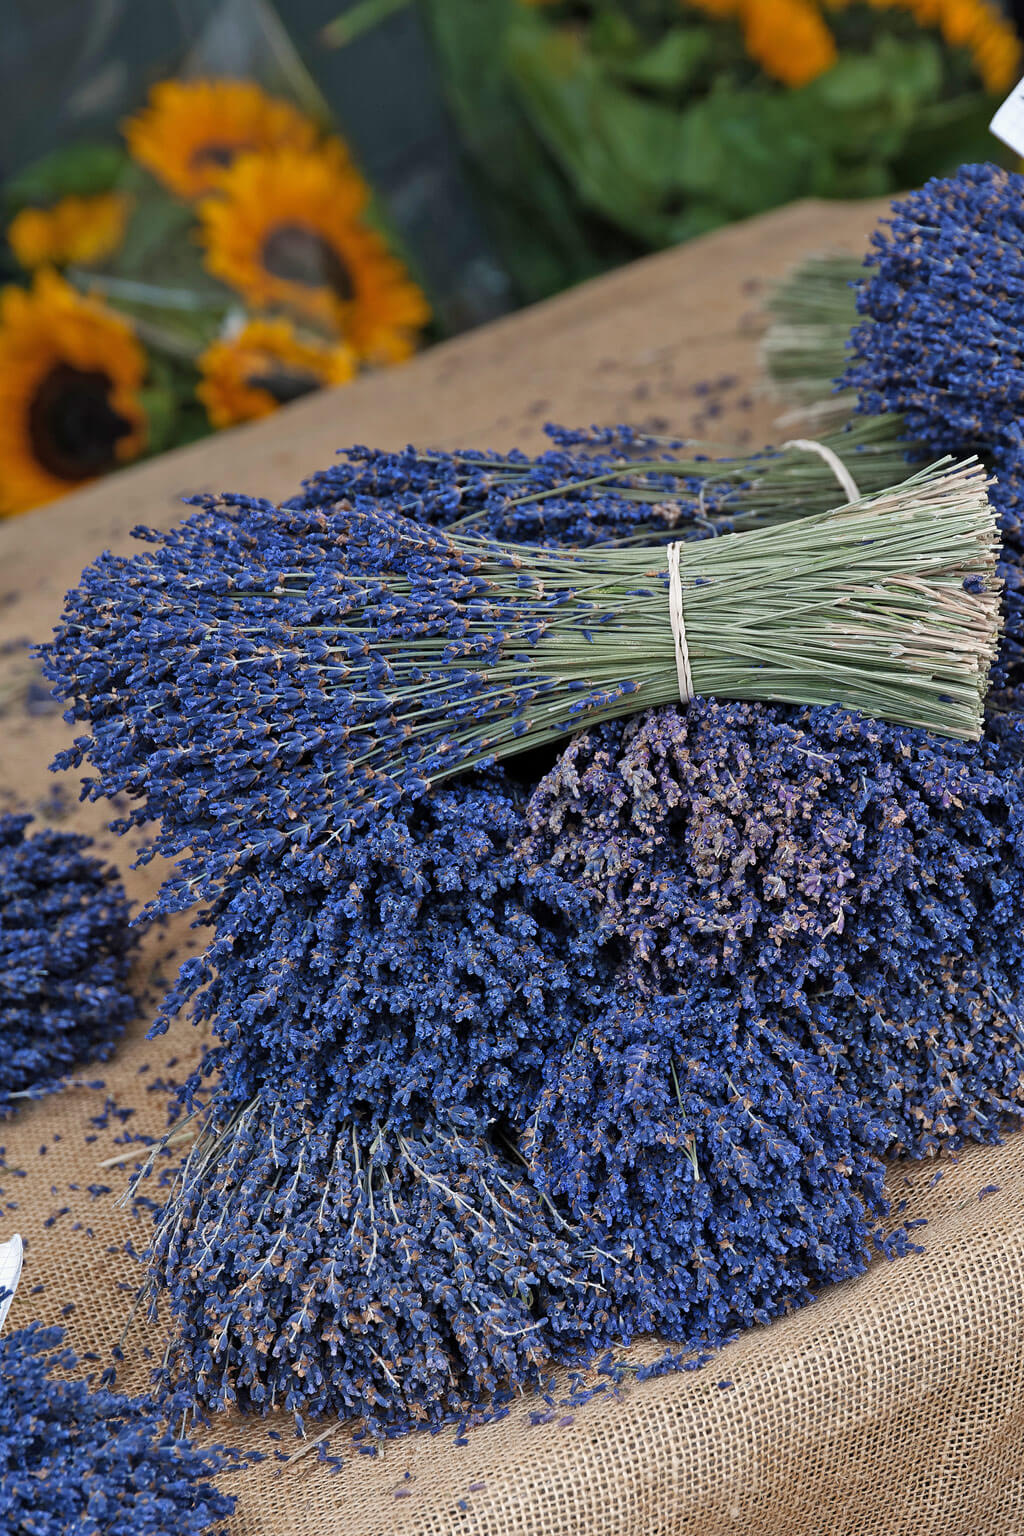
675 613
832 459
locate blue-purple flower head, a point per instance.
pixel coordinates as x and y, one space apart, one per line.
73 1459
65 952
940 344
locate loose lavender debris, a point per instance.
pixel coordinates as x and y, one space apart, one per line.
77 1460
65 947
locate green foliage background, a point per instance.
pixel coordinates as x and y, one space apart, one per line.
598 131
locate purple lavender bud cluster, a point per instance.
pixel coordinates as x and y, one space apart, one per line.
74 1460
65 947
550 499
858 884
397 1272
452 1144
713 1161
941 345
406 968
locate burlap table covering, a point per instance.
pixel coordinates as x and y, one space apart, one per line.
894 1404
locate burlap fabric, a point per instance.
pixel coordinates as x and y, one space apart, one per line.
894 1404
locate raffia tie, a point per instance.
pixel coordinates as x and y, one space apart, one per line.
675 585
834 462
675 613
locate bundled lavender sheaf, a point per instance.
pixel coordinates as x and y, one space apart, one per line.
402 1272
941 344
716 1154
406 968
65 947
272 676
421 1041
858 883
607 485
74 1461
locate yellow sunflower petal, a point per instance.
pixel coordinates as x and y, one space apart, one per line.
789 39
70 375
265 365
76 229
987 35
285 233
193 130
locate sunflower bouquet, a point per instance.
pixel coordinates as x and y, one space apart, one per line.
226 260
604 128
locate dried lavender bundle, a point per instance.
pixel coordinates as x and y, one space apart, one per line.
400 1272
944 307
73 1459
805 348
858 884
65 951
407 967
936 358
273 678
610 485
940 345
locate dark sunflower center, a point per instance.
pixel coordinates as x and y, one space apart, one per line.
285 384
216 154
302 255
72 427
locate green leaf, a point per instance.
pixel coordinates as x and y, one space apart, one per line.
174 415
358 19
620 151
80 170
612 32
676 60
853 84
534 214
748 150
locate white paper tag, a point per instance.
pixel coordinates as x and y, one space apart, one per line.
11 1255
1008 123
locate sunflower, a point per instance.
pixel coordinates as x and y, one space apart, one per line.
977 26
78 229
285 233
789 39
265 365
192 130
70 373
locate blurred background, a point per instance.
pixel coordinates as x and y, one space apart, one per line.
212 207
